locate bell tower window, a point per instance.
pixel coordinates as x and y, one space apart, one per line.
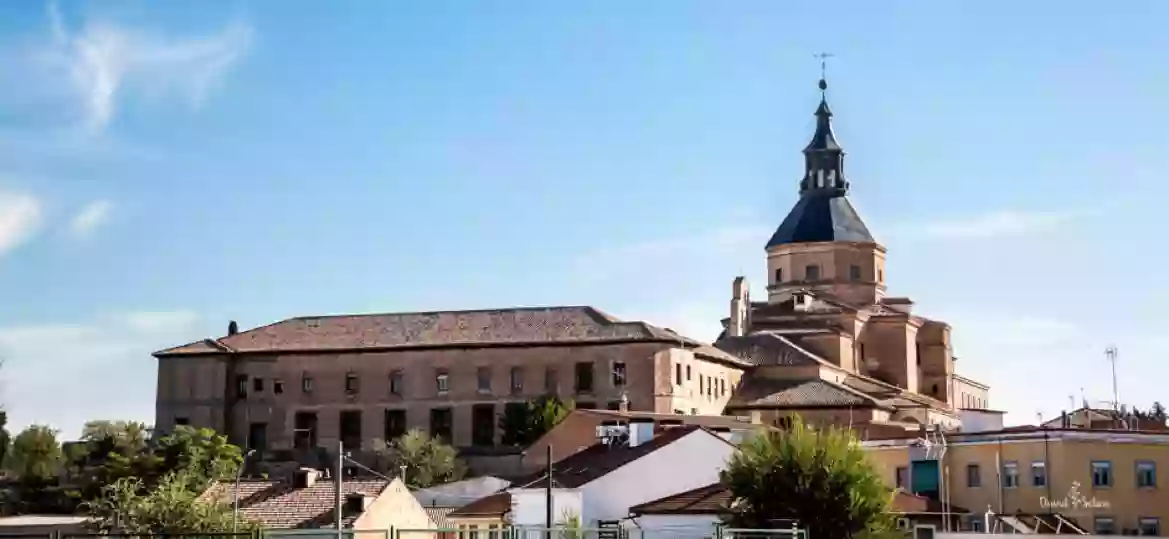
854 272
812 272
778 275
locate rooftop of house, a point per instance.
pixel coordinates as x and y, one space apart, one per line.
709 421
1030 432
599 459
716 498
490 327
279 504
495 505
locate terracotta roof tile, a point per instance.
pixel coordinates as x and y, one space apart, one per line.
598 459
494 505
438 515
535 325
711 499
276 504
911 504
766 392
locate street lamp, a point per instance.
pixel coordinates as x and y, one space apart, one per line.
235 491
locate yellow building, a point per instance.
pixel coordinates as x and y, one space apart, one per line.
1104 481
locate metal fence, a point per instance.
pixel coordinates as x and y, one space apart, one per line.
73 535
696 531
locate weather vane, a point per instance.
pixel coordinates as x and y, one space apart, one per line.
824 56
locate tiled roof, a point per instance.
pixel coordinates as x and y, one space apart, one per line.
766 392
438 515
599 459
711 499
494 505
767 348
911 504
709 421
517 326
276 504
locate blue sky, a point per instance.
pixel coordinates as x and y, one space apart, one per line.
167 167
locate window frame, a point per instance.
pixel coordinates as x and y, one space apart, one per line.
854 272
578 378
442 381
352 383
977 475
1152 468
619 375
515 379
812 272
397 382
1039 465
897 472
1155 521
306 383
1013 467
483 379
1104 465
1104 518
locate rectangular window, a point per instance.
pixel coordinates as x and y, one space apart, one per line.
182 421
618 373
351 429
257 384
493 531
778 275
613 405
722 387
973 475
258 437
812 272
687 373
395 425
902 477
584 377
517 380
699 384
483 379
241 386
351 383
483 425
551 381
1102 473
854 272
396 382
1146 474
440 423
677 374
306 384
1039 474
1149 526
278 386
442 381
1010 475
586 405
305 430
1105 526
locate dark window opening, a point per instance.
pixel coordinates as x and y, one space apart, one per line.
722 387
278 386
396 383
812 272
784 422
483 425
395 424
517 380
351 383
687 373
678 374
440 423
257 384
182 421
306 384
586 405
854 272
305 430
618 373
258 437
483 377
241 385
584 377
442 381
351 429
973 475
614 405
778 275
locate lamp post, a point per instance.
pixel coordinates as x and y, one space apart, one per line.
235 491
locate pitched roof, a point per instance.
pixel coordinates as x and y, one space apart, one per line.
438 515
815 392
768 348
277 504
907 503
711 499
709 421
820 216
494 505
599 459
493 327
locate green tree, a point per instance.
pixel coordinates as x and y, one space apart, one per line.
1158 412
819 478
36 454
129 507
523 423
428 461
107 452
5 438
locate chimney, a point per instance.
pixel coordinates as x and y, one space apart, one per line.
1064 420
356 503
232 327
641 430
623 404
739 307
305 478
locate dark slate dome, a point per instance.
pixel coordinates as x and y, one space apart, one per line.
821 216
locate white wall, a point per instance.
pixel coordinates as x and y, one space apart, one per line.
669 526
976 421
527 506
688 463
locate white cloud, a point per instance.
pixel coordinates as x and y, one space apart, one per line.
20 217
104 60
89 218
64 374
997 224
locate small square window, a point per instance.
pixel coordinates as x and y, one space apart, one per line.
442 382
1101 473
812 272
1010 475
1146 474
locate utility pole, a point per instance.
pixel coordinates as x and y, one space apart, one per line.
337 482
548 497
1110 352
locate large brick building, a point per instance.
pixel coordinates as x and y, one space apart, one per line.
308 382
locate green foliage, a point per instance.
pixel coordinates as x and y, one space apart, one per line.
428 461
35 455
129 507
523 423
5 439
819 478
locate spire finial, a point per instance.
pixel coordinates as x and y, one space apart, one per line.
824 56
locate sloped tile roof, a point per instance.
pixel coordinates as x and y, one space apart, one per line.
438 515
711 499
277 504
910 504
767 348
494 505
766 392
